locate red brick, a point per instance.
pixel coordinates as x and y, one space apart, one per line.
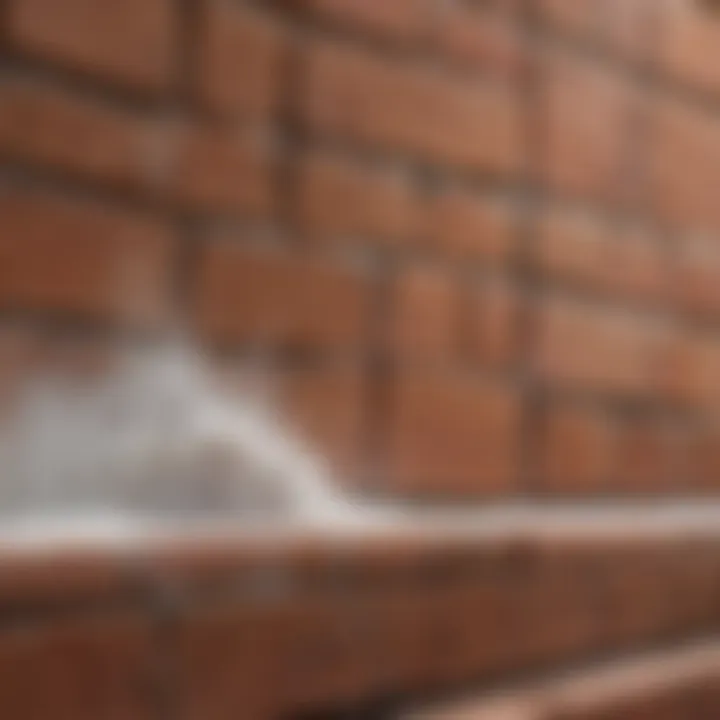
470 225
49 579
621 24
574 247
42 124
78 670
577 449
631 26
600 348
82 257
490 322
650 456
425 315
133 43
452 435
691 372
222 172
242 58
588 111
332 662
326 406
688 44
403 621
560 595
705 458
479 40
684 152
208 169
696 281
251 295
322 404
641 263
399 21
618 259
577 16
668 685
340 199
395 105
230 660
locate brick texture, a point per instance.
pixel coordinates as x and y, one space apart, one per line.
356 96
453 434
588 114
221 173
470 249
264 296
241 58
521 192
577 449
341 200
134 43
425 318
468 225
288 625
96 668
690 35
44 125
83 258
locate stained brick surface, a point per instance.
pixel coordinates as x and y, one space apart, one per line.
471 246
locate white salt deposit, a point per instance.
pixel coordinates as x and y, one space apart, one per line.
153 440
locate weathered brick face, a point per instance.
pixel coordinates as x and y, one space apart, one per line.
521 194
472 248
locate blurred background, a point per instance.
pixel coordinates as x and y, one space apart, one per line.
469 251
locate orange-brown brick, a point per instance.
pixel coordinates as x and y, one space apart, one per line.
452 435
615 258
574 247
696 278
684 148
326 405
341 199
491 316
621 24
577 448
400 21
82 257
229 173
45 125
479 39
607 349
266 296
704 458
691 371
688 44
241 59
135 43
78 670
231 659
322 403
468 224
577 16
425 314
587 111
398 106
651 456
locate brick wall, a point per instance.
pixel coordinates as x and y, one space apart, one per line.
471 247
303 627
488 224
